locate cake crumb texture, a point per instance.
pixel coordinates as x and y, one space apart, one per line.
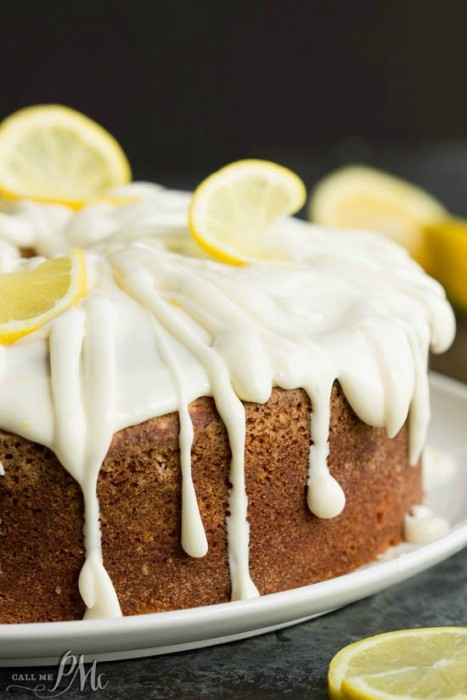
139 490
41 540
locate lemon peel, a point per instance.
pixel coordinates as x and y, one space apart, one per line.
30 298
55 154
231 210
421 663
446 243
362 197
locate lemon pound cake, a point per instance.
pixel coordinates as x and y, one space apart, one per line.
190 415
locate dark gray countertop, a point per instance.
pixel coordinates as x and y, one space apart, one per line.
292 663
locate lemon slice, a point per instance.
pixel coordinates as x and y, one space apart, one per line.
447 257
415 663
232 209
52 153
29 298
361 197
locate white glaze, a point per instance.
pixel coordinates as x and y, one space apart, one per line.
421 525
163 324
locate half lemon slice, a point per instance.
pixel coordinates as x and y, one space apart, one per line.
29 298
233 208
361 197
52 153
420 663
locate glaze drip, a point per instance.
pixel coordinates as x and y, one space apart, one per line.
163 325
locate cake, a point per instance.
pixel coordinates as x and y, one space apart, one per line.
193 432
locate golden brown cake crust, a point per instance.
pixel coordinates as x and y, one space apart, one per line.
139 489
41 540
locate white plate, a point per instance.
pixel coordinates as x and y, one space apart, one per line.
147 635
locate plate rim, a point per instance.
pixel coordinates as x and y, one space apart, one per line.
271 610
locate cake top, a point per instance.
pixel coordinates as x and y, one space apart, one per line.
163 322
343 306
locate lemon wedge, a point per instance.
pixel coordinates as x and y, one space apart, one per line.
29 298
361 197
415 663
447 257
232 209
52 153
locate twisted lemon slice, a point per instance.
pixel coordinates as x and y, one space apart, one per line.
52 153
232 209
30 298
420 663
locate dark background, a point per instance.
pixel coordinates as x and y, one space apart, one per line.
188 86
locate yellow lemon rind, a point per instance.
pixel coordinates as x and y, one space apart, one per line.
341 687
346 182
10 331
229 174
446 245
46 116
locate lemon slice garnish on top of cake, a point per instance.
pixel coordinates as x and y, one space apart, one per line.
361 197
52 153
232 209
420 663
31 297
